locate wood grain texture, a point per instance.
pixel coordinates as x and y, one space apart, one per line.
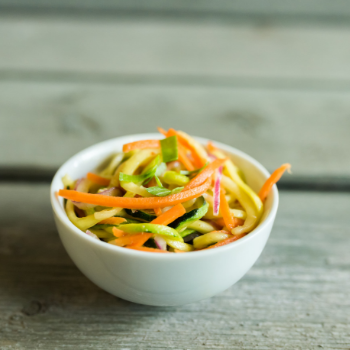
42 124
168 48
295 297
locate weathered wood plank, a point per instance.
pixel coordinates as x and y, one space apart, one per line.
295 297
169 48
42 124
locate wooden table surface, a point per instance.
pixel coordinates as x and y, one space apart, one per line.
272 81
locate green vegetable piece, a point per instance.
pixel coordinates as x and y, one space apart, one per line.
159 183
192 216
101 233
148 175
154 162
169 149
174 178
160 170
162 191
201 226
151 228
90 211
193 172
140 214
150 244
186 232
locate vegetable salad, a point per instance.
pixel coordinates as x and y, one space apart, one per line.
166 196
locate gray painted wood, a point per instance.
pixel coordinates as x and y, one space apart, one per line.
42 124
174 48
295 297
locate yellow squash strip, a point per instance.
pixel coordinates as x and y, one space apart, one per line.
138 160
178 245
210 238
112 165
82 223
253 216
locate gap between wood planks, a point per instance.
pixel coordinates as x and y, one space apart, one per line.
291 183
308 12
175 79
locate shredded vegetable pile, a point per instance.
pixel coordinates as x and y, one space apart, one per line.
166 196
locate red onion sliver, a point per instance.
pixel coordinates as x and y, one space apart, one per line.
83 206
110 191
211 157
92 235
160 242
217 190
78 183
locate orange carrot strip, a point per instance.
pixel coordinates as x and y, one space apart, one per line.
129 240
226 241
211 147
141 145
170 215
206 173
136 203
98 179
146 249
178 251
237 221
158 211
198 160
184 159
275 176
112 221
141 241
225 211
162 131
118 233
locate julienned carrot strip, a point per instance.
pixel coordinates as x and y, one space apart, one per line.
158 211
136 203
206 173
237 221
170 215
225 211
184 159
178 251
226 241
118 233
141 145
275 176
141 241
211 147
112 221
98 179
146 249
129 240
162 131
198 160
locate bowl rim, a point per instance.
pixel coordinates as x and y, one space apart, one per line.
62 216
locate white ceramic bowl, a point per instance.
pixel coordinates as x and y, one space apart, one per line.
160 279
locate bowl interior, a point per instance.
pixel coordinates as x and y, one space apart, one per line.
92 157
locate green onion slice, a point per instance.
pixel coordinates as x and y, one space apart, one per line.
162 191
169 149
